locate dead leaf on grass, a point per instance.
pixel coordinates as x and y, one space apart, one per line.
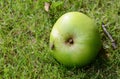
47 6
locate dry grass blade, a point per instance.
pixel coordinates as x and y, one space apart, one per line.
109 36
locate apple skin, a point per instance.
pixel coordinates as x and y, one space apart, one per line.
75 39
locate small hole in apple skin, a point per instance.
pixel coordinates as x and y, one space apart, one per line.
69 41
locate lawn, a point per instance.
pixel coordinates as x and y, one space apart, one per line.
25 28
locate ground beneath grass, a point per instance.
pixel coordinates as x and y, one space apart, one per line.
24 39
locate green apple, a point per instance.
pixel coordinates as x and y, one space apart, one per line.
74 39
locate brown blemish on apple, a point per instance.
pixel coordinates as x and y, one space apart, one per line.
52 46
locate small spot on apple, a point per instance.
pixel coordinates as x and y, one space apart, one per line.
52 46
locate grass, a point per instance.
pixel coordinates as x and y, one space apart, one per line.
24 39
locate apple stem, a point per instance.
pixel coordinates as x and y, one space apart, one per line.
109 36
71 41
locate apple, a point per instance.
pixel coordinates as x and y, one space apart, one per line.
74 39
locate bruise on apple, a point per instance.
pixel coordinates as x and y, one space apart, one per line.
52 46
